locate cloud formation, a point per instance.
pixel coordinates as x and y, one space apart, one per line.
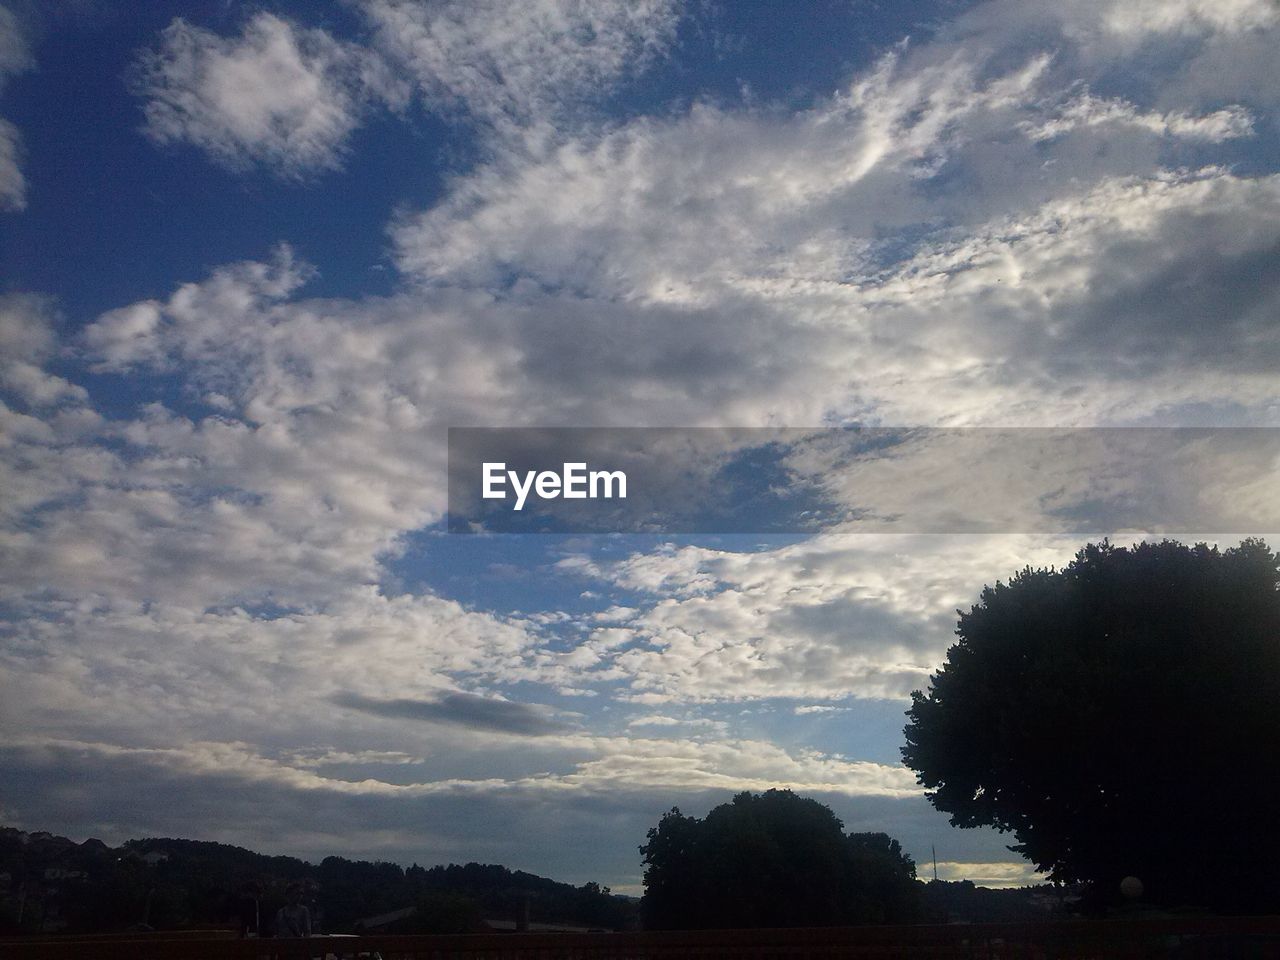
579 826
220 590
15 57
288 97
279 94
516 68
828 618
486 713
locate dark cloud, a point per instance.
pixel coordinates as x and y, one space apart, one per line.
574 837
463 709
1205 307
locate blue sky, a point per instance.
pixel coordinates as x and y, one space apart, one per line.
255 259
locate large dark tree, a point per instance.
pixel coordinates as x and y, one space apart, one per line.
772 860
1122 718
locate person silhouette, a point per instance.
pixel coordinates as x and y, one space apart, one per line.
247 919
293 919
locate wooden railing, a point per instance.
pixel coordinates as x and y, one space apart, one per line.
1248 938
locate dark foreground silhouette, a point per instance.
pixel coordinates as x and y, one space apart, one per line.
773 860
1204 939
1120 717
51 884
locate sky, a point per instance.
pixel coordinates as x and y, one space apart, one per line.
257 259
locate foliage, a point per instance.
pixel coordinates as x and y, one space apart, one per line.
961 901
1119 717
174 883
771 860
440 913
502 893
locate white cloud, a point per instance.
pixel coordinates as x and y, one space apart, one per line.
15 57
521 66
692 260
288 97
1003 873
159 675
578 823
329 758
677 210
1089 111
729 250
26 327
1022 330
13 186
812 708
279 94
775 219
15 53
1146 17
617 765
27 340
828 618
199 321
689 723
988 480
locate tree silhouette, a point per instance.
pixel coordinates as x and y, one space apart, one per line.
772 860
1120 717
199 883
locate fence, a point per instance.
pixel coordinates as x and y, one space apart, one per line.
1246 938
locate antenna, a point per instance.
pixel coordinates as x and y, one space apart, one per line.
934 848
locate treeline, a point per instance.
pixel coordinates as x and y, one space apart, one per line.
780 860
50 883
773 860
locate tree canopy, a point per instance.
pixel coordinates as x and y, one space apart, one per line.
772 860
1120 717
196 883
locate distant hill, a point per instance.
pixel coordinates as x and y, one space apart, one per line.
961 901
49 883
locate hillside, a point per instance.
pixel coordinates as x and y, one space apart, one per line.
50 883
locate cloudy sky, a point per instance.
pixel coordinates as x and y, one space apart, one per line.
256 259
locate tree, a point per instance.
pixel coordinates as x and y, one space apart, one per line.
442 912
1120 717
772 860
